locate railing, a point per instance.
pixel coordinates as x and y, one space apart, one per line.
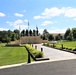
30 55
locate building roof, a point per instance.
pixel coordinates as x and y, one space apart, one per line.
55 34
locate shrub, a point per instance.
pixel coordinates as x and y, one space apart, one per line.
38 54
66 48
74 49
35 52
69 48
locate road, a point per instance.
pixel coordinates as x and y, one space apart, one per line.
66 67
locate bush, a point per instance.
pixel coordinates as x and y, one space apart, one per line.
74 49
35 52
69 48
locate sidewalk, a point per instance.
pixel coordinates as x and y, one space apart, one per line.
55 54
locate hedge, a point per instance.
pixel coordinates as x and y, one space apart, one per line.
35 52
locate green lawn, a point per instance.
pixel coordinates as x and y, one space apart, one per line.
12 55
67 44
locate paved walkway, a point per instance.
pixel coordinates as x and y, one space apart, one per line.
55 54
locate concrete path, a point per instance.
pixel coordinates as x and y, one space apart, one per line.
55 54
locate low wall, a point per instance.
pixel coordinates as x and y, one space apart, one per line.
31 39
28 39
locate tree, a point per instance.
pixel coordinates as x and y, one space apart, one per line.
58 37
45 33
70 34
68 31
74 33
8 39
9 33
27 32
1 36
37 31
70 37
17 32
4 36
23 33
44 37
30 32
34 32
50 37
13 38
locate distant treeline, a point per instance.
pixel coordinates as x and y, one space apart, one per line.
69 35
7 36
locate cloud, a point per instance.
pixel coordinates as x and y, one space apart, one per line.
37 17
46 23
1 29
18 23
41 31
26 20
55 30
54 11
18 15
70 12
75 19
2 14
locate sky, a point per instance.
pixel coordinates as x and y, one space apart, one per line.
54 15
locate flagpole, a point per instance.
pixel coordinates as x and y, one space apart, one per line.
28 33
28 28
19 34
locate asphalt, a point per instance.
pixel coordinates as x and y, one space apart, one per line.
65 67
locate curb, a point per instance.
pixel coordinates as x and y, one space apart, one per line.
21 64
13 65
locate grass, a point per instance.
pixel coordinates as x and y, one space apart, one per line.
67 44
71 45
12 55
